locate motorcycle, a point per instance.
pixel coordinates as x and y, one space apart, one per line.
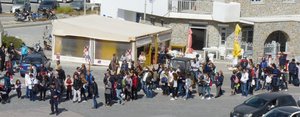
22 16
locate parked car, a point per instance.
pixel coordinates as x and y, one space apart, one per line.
285 111
20 5
183 63
36 59
259 104
48 5
77 5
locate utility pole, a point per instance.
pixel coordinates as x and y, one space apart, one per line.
145 11
84 7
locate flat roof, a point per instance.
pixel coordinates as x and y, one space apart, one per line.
277 18
103 28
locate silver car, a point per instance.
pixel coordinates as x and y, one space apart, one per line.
21 5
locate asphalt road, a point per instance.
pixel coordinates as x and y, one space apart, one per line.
159 106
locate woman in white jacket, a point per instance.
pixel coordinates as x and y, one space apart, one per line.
244 82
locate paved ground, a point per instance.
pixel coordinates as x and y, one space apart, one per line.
159 106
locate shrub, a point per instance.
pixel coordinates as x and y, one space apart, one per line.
64 9
6 40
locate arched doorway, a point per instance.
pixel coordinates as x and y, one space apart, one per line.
276 42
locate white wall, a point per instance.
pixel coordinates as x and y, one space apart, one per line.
126 15
226 12
155 7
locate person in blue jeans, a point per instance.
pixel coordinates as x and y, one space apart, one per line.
188 83
244 82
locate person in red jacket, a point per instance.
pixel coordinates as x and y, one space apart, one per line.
134 77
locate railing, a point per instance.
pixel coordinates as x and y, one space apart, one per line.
191 6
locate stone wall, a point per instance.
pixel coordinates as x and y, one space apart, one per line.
263 30
268 8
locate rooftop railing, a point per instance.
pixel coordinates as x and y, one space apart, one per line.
191 6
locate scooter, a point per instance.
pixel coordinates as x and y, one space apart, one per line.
22 16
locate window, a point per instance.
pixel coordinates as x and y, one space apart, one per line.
257 1
223 35
288 1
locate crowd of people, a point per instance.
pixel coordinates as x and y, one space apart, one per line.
122 82
269 74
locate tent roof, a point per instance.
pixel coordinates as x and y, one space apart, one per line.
103 28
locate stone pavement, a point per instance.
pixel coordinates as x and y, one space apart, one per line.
159 106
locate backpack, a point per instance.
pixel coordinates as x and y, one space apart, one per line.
236 79
206 68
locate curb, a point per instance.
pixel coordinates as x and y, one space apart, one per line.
26 24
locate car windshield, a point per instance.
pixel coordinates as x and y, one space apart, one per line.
277 113
19 1
76 3
255 102
47 3
32 60
180 64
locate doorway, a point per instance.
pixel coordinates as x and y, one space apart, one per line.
198 38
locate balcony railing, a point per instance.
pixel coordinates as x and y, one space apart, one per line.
191 6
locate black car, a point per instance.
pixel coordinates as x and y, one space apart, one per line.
259 104
183 63
285 111
48 5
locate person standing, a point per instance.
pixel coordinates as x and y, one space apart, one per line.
54 99
134 85
142 59
108 91
95 93
43 87
244 82
219 83
68 85
128 87
89 78
77 84
119 87
188 84
18 87
292 71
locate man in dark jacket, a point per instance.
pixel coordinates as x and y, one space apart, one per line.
94 90
292 71
77 84
54 99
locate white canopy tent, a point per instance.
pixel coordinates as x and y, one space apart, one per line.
97 28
